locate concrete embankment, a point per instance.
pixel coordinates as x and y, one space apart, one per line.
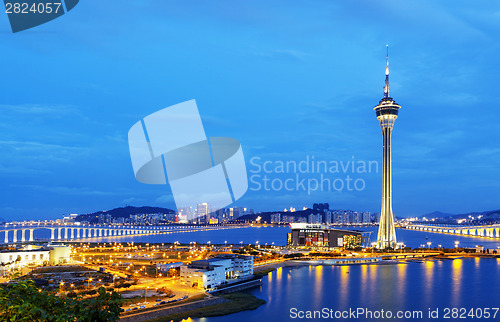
238 287
160 312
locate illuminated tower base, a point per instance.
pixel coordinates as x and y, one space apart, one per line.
387 113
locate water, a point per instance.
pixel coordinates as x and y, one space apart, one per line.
461 283
277 235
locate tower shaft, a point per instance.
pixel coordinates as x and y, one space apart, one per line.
387 113
387 234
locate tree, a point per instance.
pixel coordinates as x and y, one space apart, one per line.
22 301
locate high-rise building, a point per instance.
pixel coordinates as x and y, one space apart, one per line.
387 113
328 217
314 218
276 218
367 217
203 211
186 213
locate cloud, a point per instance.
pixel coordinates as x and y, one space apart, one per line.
165 199
281 54
39 109
20 170
78 191
132 200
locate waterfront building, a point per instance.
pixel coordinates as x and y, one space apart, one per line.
314 219
328 217
215 271
387 113
203 211
317 235
276 218
367 217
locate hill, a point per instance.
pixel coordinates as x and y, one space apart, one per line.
437 214
124 212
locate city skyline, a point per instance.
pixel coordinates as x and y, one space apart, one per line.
64 124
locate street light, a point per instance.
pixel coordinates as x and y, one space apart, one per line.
429 244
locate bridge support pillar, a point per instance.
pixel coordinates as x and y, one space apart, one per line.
72 232
78 233
15 236
6 240
23 235
52 230
31 235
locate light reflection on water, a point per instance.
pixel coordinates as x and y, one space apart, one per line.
467 283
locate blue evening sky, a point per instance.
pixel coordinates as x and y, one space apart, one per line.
288 79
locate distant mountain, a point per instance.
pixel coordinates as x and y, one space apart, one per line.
124 212
437 214
485 215
480 217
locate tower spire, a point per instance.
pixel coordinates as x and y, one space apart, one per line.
387 91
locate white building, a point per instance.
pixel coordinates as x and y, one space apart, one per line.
32 255
242 265
25 257
165 267
216 271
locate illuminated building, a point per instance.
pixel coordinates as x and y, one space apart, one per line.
317 235
210 273
387 113
12 260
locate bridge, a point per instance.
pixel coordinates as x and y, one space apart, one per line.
491 231
72 232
